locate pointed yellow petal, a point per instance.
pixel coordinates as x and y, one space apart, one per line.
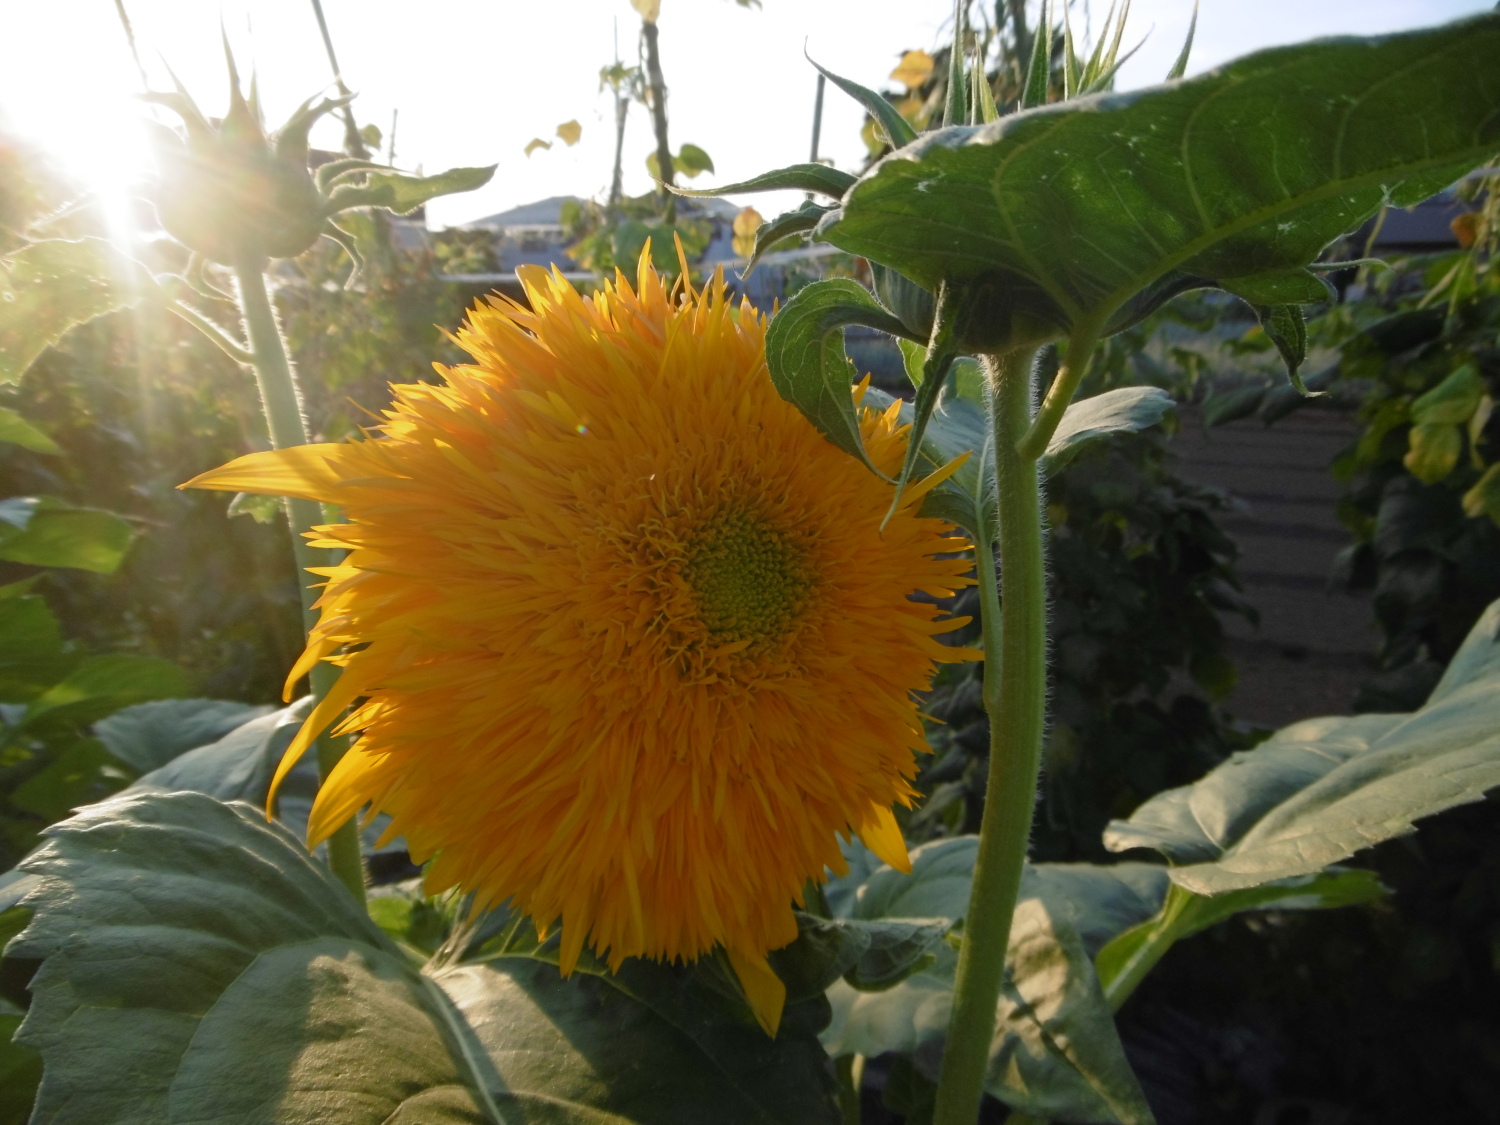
763 988
311 472
882 835
345 690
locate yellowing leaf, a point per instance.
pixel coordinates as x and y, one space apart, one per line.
1454 400
570 131
914 69
536 143
1433 451
649 9
747 222
1477 423
1484 498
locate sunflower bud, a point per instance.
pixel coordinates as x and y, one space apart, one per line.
229 191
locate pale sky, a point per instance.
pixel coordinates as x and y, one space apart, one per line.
474 81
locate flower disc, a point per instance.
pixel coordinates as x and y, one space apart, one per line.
631 647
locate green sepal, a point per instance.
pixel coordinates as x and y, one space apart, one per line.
896 128
1287 329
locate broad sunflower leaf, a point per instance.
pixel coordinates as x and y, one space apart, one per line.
32 654
1069 211
956 426
49 288
97 686
199 965
46 532
805 353
1119 411
1320 790
896 128
149 735
1056 1053
20 1067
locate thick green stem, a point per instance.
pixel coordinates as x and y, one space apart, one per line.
283 406
1015 695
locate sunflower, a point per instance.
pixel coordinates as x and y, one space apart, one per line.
629 646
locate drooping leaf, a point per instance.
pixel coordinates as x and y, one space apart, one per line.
1287 329
1250 168
1119 411
46 532
805 353
691 160
817 178
1279 287
1056 1054
1320 790
914 69
48 288
1453 401
149 735
17 431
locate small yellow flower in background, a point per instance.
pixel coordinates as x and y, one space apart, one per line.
631 647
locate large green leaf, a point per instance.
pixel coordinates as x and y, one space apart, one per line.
149 735
200 966
1056 1054
46 532
1069 212
20 1069
956 427
48 288
1320 790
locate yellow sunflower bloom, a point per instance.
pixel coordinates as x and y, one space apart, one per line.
629 646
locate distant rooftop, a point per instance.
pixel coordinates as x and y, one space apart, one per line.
548 212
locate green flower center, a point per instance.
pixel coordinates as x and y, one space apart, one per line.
751 581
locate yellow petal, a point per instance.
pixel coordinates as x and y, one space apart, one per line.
882 835
311 472
763 988
345 690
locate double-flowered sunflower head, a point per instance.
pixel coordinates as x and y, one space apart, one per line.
626 642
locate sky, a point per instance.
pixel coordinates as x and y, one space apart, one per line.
473 82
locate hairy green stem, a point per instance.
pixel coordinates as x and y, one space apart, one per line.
1015 682
283 406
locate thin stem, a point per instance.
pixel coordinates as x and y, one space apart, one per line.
1060 393
657 86
851 1073
283 406
216 335
1015 681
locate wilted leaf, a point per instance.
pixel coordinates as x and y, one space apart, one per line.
650 10
569 131
1320 790
1484 498
1433 449
914 69
536 143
